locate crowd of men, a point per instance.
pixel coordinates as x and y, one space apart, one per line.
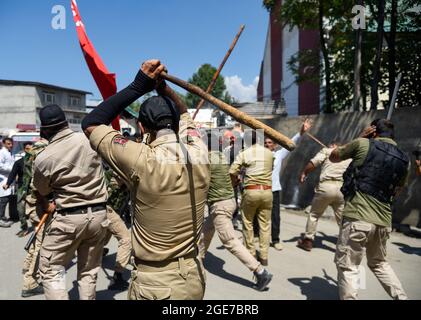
82 179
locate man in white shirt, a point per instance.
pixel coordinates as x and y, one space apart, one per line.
280 154
6 164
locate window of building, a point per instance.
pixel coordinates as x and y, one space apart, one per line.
48 97
75 121
74 101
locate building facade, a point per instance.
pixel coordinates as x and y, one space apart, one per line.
20 102
277 83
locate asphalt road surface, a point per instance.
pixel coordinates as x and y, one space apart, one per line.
298 275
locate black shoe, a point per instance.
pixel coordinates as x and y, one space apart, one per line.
105 252
118 283
33 292
22 233
262 280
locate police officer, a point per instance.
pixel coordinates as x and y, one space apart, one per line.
378 171
328 192
168 177
222 205
31 277
256 200
70 169
279 155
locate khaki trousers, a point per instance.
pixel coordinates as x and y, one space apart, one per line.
31 263
182 279
328 193
257 203
65 235
118 229
220 218
357 238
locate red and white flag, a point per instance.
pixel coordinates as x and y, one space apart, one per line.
105 80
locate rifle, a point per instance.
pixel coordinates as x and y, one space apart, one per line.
37 229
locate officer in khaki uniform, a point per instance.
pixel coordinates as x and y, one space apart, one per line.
168 177
34 212
222 205
70 169
257 195
378 171
328 192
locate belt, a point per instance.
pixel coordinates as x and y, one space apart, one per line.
258 187
168 264
83 209
332 180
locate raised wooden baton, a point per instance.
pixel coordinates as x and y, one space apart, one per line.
233 112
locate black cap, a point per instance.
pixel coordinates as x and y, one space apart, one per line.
158 112
51 116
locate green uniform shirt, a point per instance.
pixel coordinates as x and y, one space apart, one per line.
363 206
220 187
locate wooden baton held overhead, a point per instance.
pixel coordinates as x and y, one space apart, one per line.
315 139
216 75
233 112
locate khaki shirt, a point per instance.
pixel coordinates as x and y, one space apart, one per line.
258 162
330 170
166 225
72 170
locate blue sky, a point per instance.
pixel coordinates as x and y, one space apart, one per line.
182 33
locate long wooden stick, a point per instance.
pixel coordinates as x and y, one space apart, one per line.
216 75
315 139
233 112
37 229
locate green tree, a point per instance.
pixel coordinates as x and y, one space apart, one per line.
402 26
202 79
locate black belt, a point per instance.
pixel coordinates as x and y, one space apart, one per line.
83 209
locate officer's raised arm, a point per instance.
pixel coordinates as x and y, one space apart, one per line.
109 109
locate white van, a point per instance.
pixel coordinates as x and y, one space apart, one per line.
20 135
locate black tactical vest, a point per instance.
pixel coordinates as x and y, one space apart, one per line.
380 174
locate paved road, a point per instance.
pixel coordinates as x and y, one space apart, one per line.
297 274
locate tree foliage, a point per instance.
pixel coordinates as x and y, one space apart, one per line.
202 79
340 41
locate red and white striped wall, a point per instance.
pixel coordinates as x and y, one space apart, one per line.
276 79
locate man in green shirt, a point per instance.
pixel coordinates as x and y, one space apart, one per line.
377 173
222 205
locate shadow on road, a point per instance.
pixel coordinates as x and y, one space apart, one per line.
319 241
408 249
214 265
317 288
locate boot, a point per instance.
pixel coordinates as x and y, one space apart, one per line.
118 283
262 280
32 292
305 244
